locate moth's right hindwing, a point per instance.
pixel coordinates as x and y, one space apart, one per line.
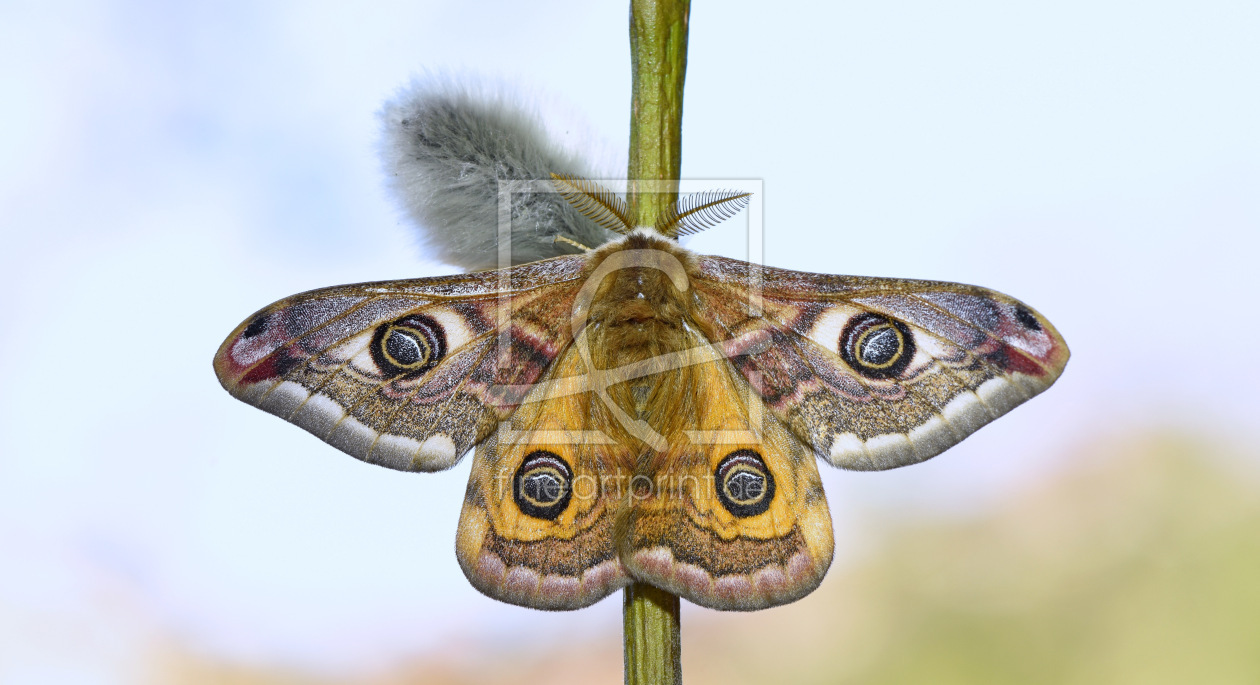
735 518
405 374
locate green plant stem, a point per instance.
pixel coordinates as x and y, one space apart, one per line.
653 649
658 53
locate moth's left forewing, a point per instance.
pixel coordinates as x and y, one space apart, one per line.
877 373
406 374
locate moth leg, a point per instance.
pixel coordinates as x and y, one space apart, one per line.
565 239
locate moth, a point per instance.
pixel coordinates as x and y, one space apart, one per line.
639 412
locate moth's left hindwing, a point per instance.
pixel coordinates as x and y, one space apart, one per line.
546 499
406 374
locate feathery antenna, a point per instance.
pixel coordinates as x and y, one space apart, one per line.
699 211
595 202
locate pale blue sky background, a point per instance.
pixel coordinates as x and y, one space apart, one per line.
166 170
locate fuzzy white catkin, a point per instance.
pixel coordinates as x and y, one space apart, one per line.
445 147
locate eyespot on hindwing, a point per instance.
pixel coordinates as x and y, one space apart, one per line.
543 485
744 484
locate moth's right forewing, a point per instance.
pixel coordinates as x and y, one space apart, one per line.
875 373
